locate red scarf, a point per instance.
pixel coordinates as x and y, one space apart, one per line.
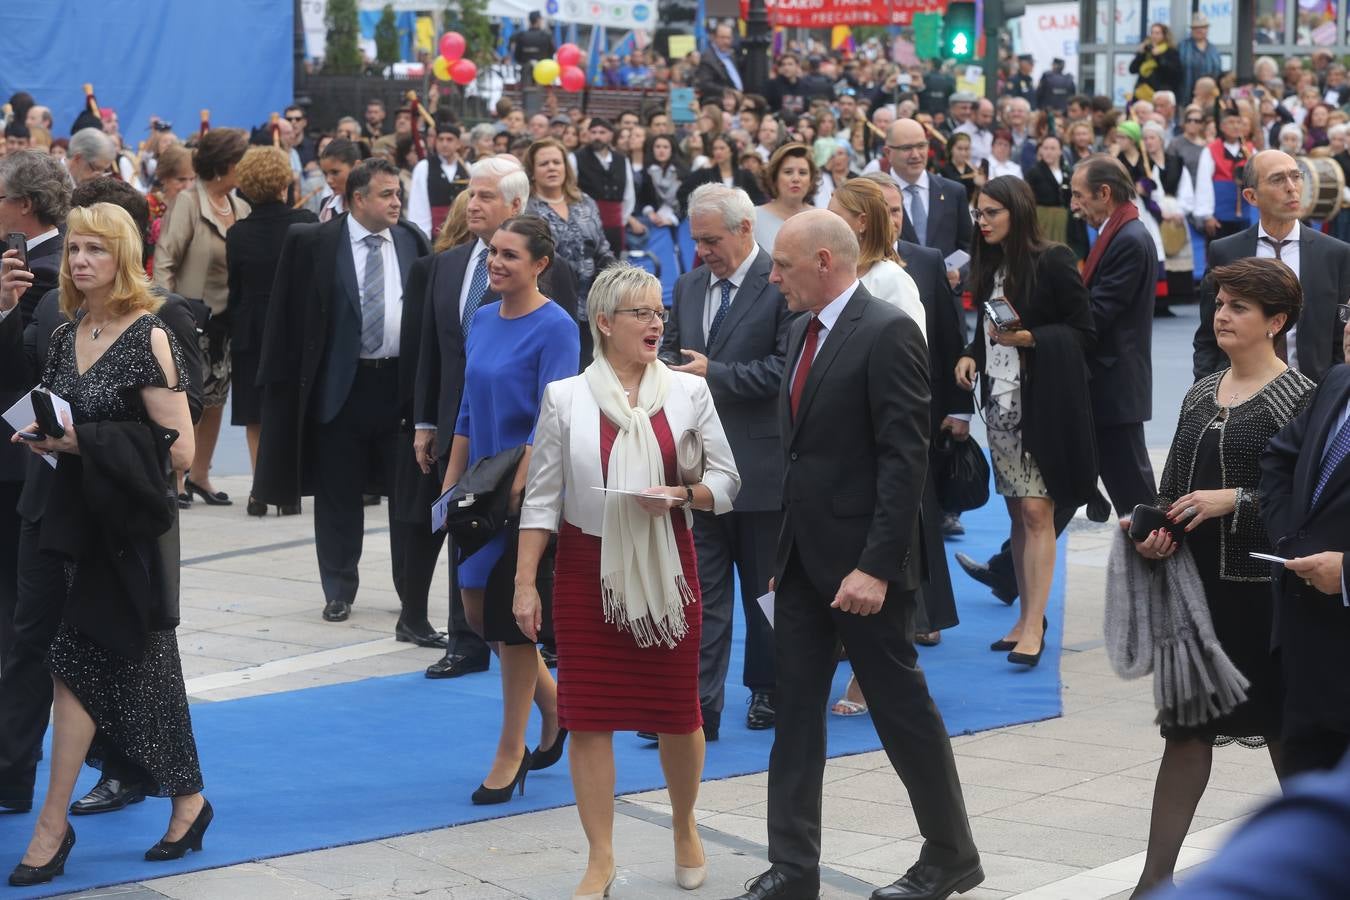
1126 212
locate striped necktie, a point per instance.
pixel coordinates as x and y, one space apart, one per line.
372 296
477 289
1337 451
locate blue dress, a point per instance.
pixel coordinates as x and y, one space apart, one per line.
509 363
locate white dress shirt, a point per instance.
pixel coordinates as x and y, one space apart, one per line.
1289 255
997 169
713 299
606 158
828 316
419 205
981 141
393 284
333 206
922 185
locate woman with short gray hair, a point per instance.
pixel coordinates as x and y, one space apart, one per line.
608 474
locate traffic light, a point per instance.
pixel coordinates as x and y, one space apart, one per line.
958 32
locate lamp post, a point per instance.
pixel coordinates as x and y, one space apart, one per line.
757 41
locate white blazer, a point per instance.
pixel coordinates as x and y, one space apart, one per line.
565 461
887 281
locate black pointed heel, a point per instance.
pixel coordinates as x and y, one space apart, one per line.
1005 646
1031 659
219 498
542 759
485 795
27 876
191 839
256 508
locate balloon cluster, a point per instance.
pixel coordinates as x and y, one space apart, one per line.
562 68
451 64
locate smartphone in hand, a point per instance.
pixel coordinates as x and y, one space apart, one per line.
16 240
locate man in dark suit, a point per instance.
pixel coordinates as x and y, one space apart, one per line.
854 414
457 286
719 68
329 372
1274 184
1305 502
730 324
936 209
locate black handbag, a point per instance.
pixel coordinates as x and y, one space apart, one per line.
964 484
478 506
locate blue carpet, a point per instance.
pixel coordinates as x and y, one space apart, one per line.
358 762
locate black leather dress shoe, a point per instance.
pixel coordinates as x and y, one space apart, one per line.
924 881
778 885
109 795
14 806
760 714
453 665
985 576
425 636
336 611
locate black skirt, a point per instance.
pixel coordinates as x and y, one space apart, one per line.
246 397
499 622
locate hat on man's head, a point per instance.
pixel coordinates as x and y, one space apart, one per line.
1057 63
599 122
1026 57
1199 20
560 119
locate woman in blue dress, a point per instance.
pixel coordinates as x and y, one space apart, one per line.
515 347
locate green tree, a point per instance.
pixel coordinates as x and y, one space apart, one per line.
470 18
387 37
343 53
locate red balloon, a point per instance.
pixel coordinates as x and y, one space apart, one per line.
568 55
573 79
452 45
463 71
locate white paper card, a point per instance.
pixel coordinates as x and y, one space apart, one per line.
766 603
1268 557
957 260
634 493
21 415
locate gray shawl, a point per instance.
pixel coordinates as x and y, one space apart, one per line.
1157 621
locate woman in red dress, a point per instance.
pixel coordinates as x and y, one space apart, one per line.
626 611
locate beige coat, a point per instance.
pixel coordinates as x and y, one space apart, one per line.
190 255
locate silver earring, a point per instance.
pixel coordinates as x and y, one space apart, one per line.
1270 335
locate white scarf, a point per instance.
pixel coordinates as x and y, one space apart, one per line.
642 584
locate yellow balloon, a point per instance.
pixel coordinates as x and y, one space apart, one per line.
546 71
441 68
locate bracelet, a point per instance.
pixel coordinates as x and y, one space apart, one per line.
688 497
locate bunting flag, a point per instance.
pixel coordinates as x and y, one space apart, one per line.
779 40
841 39
595 49
504 44
625 45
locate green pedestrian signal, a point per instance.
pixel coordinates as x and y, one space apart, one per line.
958 31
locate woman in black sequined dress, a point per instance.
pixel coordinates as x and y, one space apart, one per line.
118 678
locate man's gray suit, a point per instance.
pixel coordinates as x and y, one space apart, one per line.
745 372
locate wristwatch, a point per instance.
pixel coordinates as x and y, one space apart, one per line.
688 497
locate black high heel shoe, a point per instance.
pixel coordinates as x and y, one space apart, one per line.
27 876
256 508
191 839
1031 659
1004 646
219 498
485 795
542 759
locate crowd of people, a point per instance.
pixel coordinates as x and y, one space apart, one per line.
391 313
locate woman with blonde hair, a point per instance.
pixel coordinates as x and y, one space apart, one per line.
116 673
861 204
455 229
626 605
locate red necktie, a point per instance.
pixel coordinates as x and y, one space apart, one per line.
804 367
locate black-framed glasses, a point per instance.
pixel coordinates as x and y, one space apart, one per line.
907 148
1343 313
295 118
989 212
644 313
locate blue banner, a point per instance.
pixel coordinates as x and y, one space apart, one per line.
151 57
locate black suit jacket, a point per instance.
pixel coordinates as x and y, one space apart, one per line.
949 225
1324 272
857 451
946 340
745 372
1312 629
45 263
711 175
251 255
310 346
1122 289
711 75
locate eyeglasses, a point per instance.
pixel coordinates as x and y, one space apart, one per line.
988 212
1343 313
295 118
907 148
1285 179
644 313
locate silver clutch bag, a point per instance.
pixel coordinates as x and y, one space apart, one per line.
689 456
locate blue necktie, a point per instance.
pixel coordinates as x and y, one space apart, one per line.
1336 454
477 288
918 214
725 285
372 296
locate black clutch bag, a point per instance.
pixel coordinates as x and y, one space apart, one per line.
965 485
1147 519
478 506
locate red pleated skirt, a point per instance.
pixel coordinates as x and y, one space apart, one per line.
606 682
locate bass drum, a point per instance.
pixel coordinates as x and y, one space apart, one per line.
1323 184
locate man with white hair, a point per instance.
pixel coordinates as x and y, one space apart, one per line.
1165 105
91 155
853 412
729 326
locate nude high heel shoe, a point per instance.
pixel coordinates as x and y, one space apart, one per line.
691 878
600 895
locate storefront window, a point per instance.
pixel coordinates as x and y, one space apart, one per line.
1271 22
1316 23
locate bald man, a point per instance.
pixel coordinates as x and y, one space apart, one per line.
1273 183
853 412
